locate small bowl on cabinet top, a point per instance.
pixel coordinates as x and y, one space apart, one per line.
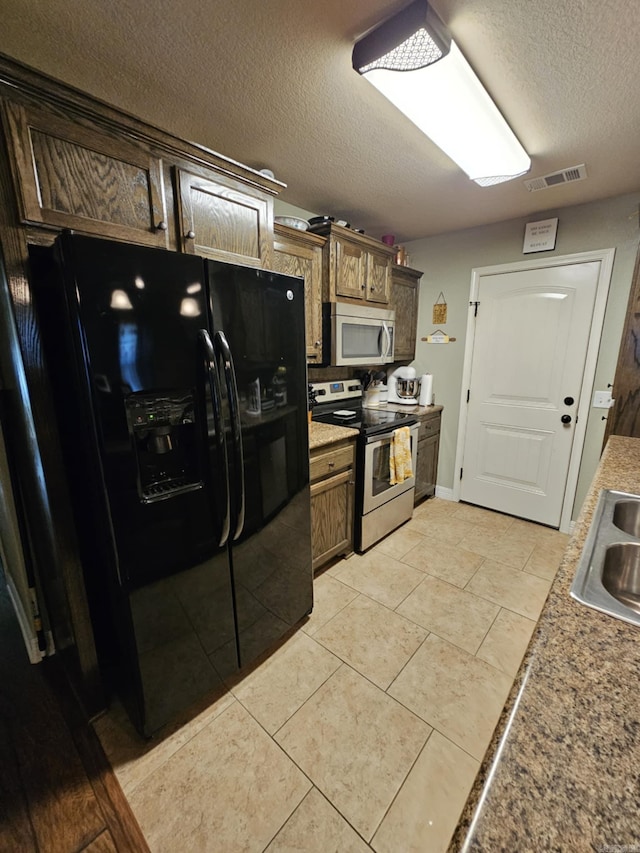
292 222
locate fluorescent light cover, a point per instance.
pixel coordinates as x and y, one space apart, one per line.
448 103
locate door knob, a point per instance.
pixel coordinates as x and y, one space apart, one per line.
569 401
566 419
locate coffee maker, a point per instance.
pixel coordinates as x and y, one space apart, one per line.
403 386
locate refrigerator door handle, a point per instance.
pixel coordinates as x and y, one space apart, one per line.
236 430
215 392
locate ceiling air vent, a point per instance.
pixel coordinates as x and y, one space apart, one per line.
564 176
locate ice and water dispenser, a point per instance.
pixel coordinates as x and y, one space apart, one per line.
163 429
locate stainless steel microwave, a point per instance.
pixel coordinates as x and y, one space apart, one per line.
359 334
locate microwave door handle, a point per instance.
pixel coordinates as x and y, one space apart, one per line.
236 431
215 393
387 350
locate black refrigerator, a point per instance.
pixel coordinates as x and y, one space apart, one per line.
180 390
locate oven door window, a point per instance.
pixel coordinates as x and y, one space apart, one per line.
377 489
380 472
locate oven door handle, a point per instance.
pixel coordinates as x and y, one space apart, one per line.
385 436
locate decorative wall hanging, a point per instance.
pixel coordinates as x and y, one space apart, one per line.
540 236
438 337
440 309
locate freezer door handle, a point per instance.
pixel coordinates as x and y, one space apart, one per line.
236 430
215 392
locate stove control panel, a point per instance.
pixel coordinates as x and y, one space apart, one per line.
332 392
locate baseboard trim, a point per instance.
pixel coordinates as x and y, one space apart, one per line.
445 494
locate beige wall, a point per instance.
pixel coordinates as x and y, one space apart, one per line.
447 261
282 208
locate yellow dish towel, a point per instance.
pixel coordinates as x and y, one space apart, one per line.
400 456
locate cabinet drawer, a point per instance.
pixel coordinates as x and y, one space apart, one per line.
330 462
429 426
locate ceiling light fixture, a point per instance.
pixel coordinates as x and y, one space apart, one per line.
412 59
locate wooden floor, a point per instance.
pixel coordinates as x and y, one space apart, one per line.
58 793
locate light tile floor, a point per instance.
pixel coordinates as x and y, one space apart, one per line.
365 729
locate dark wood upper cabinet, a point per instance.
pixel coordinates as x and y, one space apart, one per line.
300 253
378 276
355 266
71 176
220 218
404 300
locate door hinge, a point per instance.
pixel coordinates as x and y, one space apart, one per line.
468 394
461 473
475 308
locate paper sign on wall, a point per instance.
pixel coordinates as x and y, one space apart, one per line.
540 236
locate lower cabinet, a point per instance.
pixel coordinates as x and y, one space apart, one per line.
332 501
427 461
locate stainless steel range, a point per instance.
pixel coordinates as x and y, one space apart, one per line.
380 506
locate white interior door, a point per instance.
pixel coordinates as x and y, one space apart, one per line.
530 345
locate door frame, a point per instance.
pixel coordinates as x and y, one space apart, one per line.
605 256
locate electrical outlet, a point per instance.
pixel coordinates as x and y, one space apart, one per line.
602 400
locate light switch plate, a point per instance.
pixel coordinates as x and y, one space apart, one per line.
602 400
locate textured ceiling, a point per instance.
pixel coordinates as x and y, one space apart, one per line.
270 83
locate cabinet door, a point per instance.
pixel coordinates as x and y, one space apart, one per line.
378 277
220 218
71 176
349 269
404 299
294 256
332 517
427 466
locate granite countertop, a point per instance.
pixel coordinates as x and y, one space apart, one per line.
563 770
322 434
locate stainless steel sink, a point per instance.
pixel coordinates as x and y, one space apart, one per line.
626 516
608 573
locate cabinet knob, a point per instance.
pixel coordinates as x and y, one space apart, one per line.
190 235
317 343
162 226
332 464
362 287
